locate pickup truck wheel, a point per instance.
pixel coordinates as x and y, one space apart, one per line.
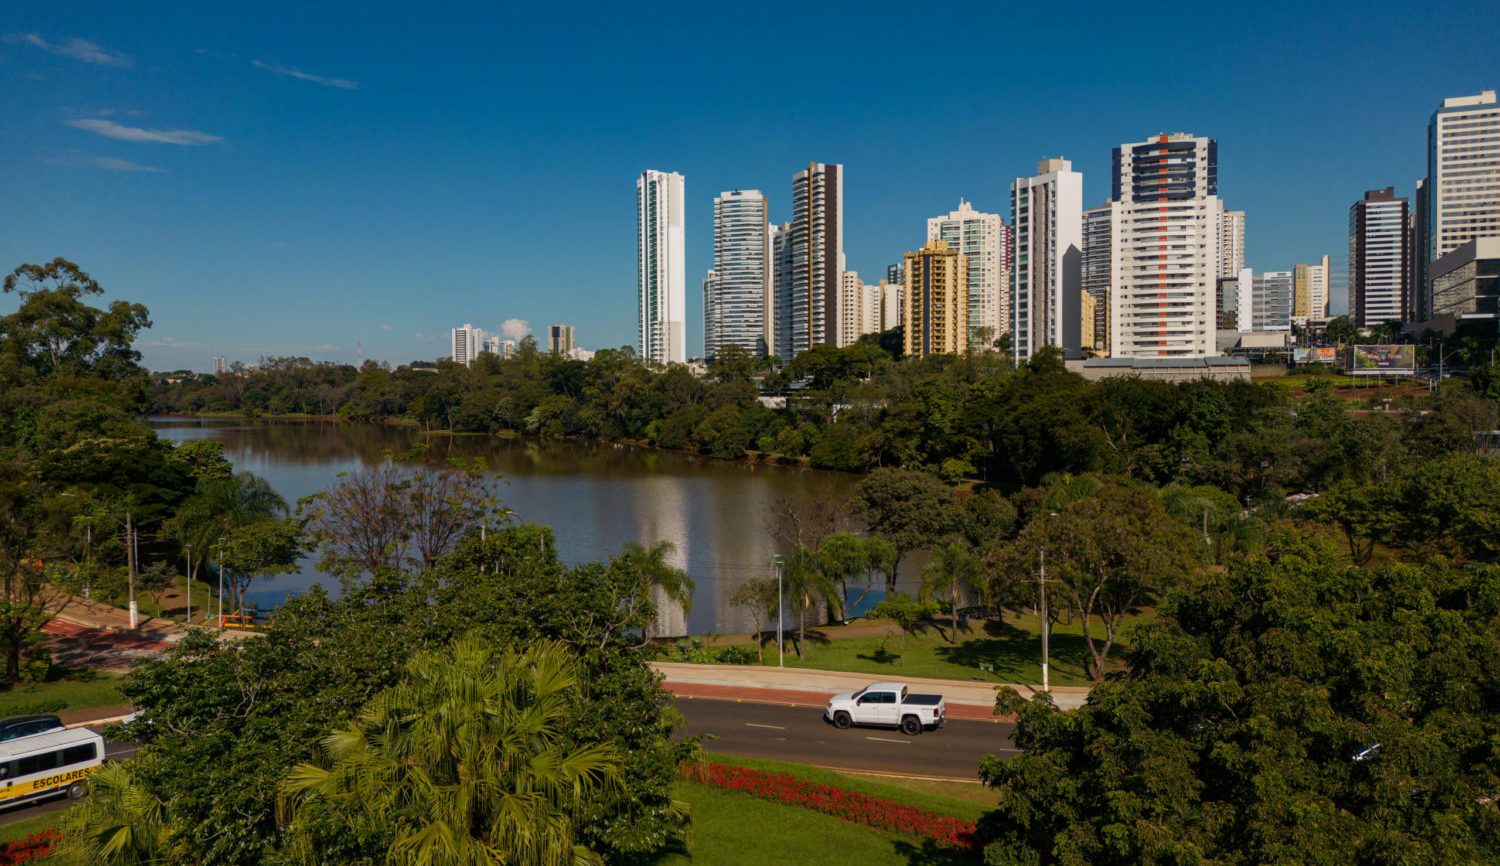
911 725
841 720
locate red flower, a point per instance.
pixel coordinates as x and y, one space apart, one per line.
853 807
33 847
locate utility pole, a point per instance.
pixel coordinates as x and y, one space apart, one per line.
130 555
187 550
1046 686
780 645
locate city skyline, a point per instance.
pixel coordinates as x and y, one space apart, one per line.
219 167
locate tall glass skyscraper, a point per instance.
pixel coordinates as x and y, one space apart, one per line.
660 267
808 282
738 290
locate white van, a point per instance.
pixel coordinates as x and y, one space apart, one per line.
43 765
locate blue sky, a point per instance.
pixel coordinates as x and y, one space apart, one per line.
298 179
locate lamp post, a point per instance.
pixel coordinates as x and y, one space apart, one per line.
780 645
1046 626
187 552
130 557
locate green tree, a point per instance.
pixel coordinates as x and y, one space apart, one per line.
655 575
1291 710
954 569
757 597
1111 553
119 824
912 510
466 761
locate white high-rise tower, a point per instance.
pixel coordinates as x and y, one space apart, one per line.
735 299
1046 276
661 270
1167 219
982 239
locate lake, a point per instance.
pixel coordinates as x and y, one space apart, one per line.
596 497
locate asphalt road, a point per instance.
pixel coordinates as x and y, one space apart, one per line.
799 734
788 733
112 751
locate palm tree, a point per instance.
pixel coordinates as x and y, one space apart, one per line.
955 565
217 508
656 574
120 824
466 761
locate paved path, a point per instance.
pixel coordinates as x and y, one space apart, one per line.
799 734
964 698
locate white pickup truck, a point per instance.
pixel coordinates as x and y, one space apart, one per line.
889 705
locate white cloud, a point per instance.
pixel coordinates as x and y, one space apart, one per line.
384 326
78 49
515 329
290 72
110 163
110 129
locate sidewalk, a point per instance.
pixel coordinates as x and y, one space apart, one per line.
965 699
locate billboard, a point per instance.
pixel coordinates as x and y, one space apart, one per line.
1382 360
1315 355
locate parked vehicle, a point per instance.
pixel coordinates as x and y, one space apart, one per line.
887 705
45 765
25 726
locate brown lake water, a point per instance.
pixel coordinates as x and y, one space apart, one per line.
596 498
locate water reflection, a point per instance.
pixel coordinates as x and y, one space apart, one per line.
595 497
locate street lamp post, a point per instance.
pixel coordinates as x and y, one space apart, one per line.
780 645
1046 686
130 555
187 552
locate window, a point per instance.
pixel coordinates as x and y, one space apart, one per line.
79 754
37 763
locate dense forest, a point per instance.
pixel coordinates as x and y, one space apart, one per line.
859 408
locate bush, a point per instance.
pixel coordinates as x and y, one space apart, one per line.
32 848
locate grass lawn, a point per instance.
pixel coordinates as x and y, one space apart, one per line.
734 828
957 799
1011 648
69 690
21 829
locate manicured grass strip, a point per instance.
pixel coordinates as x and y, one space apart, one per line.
74 692
731 828
21 829
1008 651
959 799
877 812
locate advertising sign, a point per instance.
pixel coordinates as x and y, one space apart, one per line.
1315 355
1382 360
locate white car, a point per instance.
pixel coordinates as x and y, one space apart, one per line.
887 705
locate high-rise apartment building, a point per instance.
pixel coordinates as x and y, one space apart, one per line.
1270 302
1379 272
221 365
1167 219
1046 260
892 304
1096 276
1462 188
710 315
1232 243
466 343
736 296
981 238
560 339
937 301
807 288
1420 297
859 309
661 268
1086 324
1310 292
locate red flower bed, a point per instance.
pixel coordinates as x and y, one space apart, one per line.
856 808
33 847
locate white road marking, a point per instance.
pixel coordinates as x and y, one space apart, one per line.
773 727
888 740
